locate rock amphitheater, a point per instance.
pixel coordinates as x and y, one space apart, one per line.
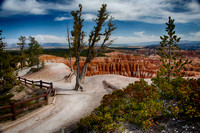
116 63
126 65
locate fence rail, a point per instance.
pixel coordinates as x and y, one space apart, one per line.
41 83
13 105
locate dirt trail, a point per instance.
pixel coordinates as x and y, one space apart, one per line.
69 105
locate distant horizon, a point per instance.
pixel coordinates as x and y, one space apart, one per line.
142 44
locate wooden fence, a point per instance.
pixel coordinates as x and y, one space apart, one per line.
42 84
12 106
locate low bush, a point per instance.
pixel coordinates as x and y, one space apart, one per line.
138 103
20 89
144 105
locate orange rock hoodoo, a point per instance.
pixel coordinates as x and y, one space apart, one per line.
122 64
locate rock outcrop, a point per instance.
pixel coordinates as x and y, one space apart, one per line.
127 65
122 64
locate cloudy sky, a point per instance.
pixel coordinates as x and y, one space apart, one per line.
136 20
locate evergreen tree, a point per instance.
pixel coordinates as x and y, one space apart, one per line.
34 51
169 51
78 43
99 35
7 68
70 53
2 44
2 54
22 44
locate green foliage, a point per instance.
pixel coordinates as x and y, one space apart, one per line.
7 64
20 89
188 97
144 105
63 52
169 51
99 31
137 103
2 44
33 51
33 70
77 33
22 44
5 99
184 93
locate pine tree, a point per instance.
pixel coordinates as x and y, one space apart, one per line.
2 44
70 53
22 44
78 42
100 34
169 51
7 68
34 51
95 36
2 54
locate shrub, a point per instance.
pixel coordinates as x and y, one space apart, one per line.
20 89
144 105
5 99
184 92
137 103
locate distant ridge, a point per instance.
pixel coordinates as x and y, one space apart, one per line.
190 45
184 45
54 45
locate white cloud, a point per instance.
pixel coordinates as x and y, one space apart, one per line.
139 37
62 18
141 33
134 39
89 16
117 39
50 39
156 11
196 36
23 6
10 41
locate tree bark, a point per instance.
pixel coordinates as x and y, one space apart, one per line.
78 83
169 73
83 73
77 74
21 64
37 62
70 54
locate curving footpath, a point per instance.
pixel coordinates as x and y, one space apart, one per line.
68 107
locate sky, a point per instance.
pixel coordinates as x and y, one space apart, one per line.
137 21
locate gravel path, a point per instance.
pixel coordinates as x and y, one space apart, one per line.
69 105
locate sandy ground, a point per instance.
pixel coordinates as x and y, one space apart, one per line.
69 105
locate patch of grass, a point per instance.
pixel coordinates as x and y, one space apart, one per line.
20 89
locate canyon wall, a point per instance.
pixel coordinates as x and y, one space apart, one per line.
121 64
126 65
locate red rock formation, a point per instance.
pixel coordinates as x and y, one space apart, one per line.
124 64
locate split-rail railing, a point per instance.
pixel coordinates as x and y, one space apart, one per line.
13 105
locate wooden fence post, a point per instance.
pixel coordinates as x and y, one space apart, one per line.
13 110
52 90
41 84
51 86
25 81
46 97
